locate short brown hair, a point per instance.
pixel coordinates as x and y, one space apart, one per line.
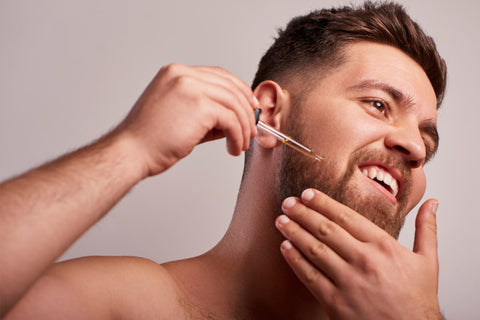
316 39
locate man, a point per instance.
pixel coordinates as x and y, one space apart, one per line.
361 87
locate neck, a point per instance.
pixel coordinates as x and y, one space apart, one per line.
245 276
251 249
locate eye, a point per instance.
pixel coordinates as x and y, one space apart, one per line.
379 105
429 149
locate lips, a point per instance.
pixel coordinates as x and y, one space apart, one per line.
383 177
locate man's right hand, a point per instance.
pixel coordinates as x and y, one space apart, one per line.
184 106
51 206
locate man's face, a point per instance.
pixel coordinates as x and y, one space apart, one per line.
373 118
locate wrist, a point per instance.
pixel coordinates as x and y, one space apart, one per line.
124 150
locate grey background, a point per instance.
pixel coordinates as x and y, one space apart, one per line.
71 70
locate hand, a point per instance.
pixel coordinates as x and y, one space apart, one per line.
184 106
355 269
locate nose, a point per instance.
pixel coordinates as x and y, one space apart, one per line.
405 138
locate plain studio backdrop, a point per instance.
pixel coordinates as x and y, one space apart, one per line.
71 70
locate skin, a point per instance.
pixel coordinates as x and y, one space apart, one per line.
332 249
380 121
51 206
320 260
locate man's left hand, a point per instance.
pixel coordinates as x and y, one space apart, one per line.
355 269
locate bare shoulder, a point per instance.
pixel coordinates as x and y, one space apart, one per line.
102 288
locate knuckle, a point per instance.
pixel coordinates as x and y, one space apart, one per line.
219 69
366 264
311 276
432 227
326 228
343 217
169 70
318 249
182 81
387 244
172 68
186 85
372 273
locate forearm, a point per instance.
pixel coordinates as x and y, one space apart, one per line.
45 210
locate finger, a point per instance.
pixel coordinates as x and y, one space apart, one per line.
426 230
219 122
316 282
215 93
243 88
227 122
230 98
323 229
318 253
218 85
225 92
354 223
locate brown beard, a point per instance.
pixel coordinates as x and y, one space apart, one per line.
299 172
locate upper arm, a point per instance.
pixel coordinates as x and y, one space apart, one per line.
100 288
52 296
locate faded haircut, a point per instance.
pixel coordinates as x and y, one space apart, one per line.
316 41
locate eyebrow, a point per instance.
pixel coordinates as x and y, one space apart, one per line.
397 95
428 127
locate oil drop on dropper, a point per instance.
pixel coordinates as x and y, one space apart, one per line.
284 138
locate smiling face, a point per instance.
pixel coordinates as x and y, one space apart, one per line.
373 119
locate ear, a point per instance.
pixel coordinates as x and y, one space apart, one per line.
274 102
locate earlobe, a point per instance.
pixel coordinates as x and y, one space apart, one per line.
273 101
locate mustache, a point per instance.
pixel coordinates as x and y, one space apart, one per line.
298 173
387 158
383 157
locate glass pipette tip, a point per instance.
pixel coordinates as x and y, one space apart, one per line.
284 138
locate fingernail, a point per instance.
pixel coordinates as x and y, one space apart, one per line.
289 202
287 245
434 206
308 194
283 219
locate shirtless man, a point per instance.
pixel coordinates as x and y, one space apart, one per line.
308 239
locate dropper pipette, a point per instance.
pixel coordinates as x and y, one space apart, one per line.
284 138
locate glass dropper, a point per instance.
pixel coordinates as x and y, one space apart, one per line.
284 138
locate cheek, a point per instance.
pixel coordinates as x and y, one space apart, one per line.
344 130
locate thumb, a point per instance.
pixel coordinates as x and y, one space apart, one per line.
426 230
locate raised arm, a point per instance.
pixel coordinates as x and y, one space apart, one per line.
43 211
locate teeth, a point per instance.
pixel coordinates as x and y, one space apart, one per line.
394 187
382 175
